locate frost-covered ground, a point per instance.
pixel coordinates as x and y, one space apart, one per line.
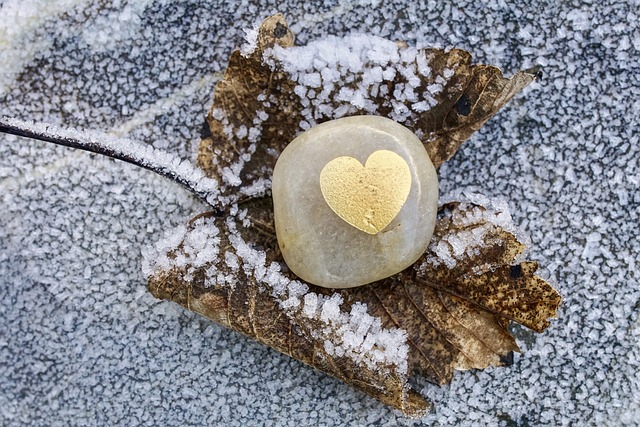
83 343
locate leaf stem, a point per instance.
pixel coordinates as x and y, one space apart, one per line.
143 155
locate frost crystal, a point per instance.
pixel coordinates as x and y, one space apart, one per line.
181 248
338 76
354 334
463 244
144 155
251 36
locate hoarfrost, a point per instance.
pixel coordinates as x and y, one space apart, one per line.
463 244
354 334
142 154
183 248
251 37
337 76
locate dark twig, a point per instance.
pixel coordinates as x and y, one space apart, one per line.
142 155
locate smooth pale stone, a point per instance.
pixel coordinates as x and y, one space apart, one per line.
330 248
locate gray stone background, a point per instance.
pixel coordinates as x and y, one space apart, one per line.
83 343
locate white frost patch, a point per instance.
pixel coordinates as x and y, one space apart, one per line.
232 174
257 188
339 76
251 37
498 212
470 238
182 248
354 334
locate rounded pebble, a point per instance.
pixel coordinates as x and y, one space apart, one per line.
355 201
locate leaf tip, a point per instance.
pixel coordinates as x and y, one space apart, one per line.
274 30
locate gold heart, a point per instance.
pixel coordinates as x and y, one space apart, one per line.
368 197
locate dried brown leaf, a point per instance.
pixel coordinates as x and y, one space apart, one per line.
455 318
451 308
257 112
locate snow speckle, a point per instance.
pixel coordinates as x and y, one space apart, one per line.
144 155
